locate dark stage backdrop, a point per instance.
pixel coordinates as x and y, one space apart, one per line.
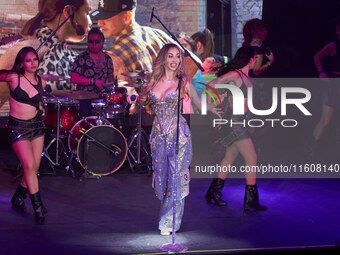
297 30
219 23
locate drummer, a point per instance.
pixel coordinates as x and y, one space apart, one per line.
92 69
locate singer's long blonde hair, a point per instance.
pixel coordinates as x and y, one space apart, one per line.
158 69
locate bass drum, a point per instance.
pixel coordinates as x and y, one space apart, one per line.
101 148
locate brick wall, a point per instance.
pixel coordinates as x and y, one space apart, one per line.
14 14
243 10
177 15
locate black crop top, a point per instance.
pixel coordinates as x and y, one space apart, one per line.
243 86
20 95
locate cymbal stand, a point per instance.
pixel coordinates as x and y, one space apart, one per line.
137 144
73 154
58 142
69 164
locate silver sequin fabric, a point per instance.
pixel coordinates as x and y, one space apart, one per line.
163 147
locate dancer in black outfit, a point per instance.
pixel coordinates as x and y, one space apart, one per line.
332 93
26 126
237 138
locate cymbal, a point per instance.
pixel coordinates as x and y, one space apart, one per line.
136 75
11 40
133 85
52 77
74 94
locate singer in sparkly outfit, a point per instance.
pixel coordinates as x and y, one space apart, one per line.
161 93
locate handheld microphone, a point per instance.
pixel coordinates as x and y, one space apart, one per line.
79 29
153 9
133 97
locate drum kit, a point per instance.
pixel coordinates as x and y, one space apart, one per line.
94 142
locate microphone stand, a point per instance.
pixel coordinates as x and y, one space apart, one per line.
54 32
175 247
186 52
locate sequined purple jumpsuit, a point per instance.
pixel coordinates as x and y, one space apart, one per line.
163 144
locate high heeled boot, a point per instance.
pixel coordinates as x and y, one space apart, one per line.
39 208
214 192
251 199
18 199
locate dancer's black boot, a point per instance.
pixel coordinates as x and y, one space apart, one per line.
39 209
251 199
18 199
214 192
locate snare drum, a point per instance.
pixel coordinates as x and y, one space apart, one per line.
101 148
97 107
68 114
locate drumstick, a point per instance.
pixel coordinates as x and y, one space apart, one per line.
120 82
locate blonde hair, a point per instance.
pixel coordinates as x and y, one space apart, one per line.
158 69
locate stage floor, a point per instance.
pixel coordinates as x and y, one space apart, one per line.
118 214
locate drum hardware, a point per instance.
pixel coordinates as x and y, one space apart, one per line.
141 79
69 167
103 111
85 166
57 140
137 145
118 82
138 74
46 93
98 107
132 85
115 104
116 150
